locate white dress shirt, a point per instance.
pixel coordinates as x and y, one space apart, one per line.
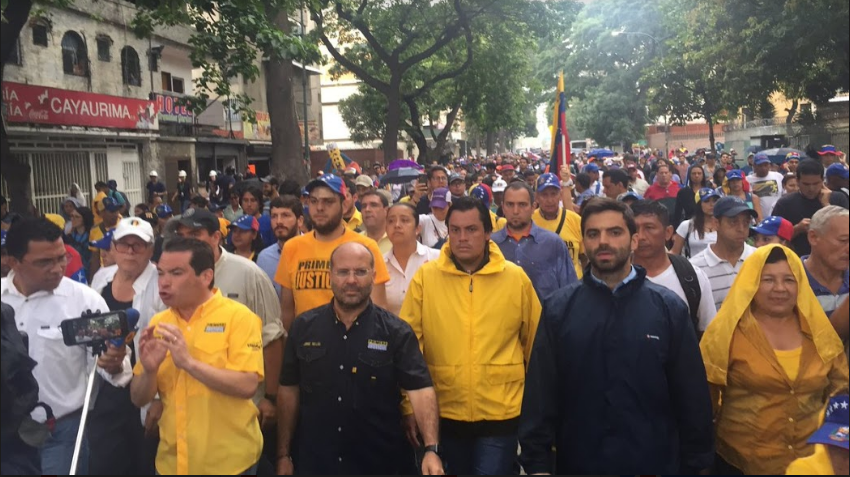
400 279
62 370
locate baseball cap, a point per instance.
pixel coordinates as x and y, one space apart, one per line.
480 193
792 155
750 154
507 167
828 149
213 173
133 226
2 238
706 193
181 174
837 170
440 198
591 168
56 220
548 180
108 204
630 195
246 222
269 179
350 171
732 206
164 211
330 181
304 191
104 243
153 174
499 185
455 177
364 181
735 174
200 219
774 225
834 431
761 159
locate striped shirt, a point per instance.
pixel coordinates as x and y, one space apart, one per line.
828 301
721 274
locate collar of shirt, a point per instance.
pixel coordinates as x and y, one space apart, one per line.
502 235
139 285
822 290
631 276
712 260
482 265
64 289
365 314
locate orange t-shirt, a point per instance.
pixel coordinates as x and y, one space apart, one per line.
305 266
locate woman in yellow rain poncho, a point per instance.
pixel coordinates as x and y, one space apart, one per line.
772 360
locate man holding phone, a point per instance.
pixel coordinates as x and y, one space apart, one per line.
42 298
437 177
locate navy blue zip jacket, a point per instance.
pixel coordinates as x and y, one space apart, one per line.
616 383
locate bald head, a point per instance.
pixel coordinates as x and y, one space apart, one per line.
353 251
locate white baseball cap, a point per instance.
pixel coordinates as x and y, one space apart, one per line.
181 174
213 173
153 174
499 185
133 226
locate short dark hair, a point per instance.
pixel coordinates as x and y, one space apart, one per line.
200 201
255 191
143 206
377 194
434 169
651 207
583 179
617 176
809 167
521 185
350 186
663 163
100 185
27 230
202 254
464 204
409 207
289 187
87 215
786 177
598 205
287 202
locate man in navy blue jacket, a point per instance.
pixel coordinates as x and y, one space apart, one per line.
616 381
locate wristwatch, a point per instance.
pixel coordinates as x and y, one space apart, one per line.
434 448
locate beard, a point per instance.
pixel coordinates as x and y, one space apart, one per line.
619 261
284 233
351 302
330 226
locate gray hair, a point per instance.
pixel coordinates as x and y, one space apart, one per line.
820 221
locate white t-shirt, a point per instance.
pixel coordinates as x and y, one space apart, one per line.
669 280
433 230
768 189
696 244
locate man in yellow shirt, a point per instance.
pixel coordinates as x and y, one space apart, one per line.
204 356
101 189
304 268
109 211
353 218
560 220
831 443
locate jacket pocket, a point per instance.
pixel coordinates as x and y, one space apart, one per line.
311 365
375 385
504 373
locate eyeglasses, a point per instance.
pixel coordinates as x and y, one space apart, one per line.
358 273
440 179
136 247
49 263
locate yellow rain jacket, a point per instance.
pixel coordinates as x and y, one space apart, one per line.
762 418
476 332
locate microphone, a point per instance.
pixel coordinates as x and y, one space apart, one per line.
132 324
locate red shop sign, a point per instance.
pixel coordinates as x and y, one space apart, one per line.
24 103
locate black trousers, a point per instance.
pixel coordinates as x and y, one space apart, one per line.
116 435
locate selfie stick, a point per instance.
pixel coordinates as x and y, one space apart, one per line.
98 348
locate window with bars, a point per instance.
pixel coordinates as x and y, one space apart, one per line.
131 70
39 34
74 57
104 48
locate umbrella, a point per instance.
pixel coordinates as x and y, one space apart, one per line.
602 152
399 163
777 156
400 176
753 149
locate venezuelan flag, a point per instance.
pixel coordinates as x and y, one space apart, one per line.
560 146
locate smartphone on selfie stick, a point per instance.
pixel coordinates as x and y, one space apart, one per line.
95 330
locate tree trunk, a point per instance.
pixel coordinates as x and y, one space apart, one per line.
443 137
287 158
789 120
709 119
390 145
15 172
491 143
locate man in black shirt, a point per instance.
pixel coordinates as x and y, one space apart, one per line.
437 177
344 366
799 207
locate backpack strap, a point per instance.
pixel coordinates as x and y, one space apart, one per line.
687 276
561 223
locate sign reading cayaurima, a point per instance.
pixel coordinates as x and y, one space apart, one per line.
24 103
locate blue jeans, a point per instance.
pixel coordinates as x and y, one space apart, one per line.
58 450
494 455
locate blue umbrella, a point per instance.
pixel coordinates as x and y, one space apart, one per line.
777 156
400 176
753 149
602 152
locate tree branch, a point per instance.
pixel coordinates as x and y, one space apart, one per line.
450 119
366 32
448 74
360 72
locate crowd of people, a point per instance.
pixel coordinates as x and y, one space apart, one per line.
624 314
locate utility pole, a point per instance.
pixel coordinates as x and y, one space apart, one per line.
304 98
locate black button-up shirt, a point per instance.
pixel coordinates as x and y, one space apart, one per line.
350 382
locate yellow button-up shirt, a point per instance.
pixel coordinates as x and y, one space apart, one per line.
203 431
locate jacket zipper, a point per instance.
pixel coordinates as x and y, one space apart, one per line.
470 284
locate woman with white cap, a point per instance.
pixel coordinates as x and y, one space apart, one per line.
184 191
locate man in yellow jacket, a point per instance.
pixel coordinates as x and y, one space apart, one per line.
475 315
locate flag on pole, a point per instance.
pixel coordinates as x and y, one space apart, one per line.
560 150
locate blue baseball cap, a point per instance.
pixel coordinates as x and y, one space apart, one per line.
837 170
834 431
591 168
304 191
108 204
104 243
2 238
731 207
630 195
774 225
481 194
330 181
735 174
761 158
164 211
246 222
548 180
706 193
